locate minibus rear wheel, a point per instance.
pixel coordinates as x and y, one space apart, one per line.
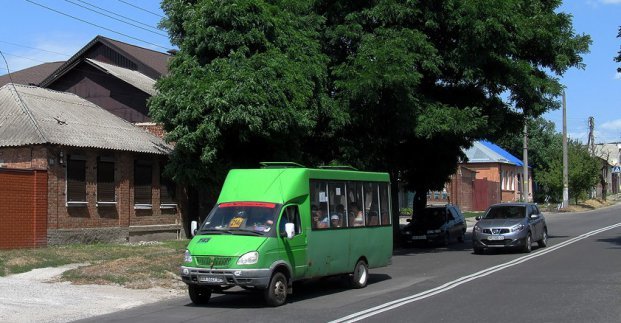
360 276
276 292
199 295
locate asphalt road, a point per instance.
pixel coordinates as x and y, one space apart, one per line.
575 279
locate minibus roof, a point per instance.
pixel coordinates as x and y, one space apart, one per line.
281 185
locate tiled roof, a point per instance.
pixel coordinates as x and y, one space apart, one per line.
31 115
31 75
487 152
134 78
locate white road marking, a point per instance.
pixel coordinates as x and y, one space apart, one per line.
450 285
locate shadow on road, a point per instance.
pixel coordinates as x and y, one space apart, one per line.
304 290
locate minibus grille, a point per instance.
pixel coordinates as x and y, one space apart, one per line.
213 262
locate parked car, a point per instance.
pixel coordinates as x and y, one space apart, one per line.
510 225
436 224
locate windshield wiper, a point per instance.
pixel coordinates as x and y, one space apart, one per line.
246 231
218 231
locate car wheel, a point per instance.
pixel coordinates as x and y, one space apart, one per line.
199 295
360 276
528 244
276 292
544 239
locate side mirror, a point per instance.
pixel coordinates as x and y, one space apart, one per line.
534 216
193 228
290 230
478 218
408 220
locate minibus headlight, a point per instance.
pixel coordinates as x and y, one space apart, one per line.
187 257
248 258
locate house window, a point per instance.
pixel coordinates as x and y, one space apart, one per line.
143 176
105 180
76 180
167 193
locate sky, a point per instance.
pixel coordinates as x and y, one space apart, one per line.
31 34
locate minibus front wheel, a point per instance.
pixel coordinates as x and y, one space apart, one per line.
276 292
199 295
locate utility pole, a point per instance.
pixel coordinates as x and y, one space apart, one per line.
525 177
565 167
591 140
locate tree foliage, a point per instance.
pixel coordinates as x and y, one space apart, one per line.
583 170
545 157
422 79
399 86
541 137
618 58
248 84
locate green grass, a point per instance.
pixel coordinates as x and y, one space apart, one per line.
472 214
129 265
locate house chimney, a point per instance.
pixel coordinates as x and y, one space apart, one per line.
172 52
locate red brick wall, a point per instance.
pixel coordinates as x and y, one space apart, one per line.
23 208
154 128
123 213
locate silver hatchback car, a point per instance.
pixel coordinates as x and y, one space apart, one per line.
510 225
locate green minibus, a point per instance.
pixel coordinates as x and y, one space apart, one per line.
283 223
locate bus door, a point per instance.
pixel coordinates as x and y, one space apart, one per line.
294 250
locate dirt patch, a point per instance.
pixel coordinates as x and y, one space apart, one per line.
591 204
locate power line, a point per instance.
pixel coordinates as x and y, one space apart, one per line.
40 49
119 15
92 24
143 9
28 58
117 19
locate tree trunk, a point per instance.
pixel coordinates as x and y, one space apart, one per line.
420 201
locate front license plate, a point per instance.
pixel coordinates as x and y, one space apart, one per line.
210 279
419 237
496 238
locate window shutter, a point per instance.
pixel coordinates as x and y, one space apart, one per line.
76 180
143 172
105 181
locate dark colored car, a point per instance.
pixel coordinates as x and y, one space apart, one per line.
510 225
436 224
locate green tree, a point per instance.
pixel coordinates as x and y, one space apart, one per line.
541 136
247 85
583 169
389 85
422 79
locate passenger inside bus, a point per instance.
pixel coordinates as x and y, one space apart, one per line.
320 219
355 216
335 221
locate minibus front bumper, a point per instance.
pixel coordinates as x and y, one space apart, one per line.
252 278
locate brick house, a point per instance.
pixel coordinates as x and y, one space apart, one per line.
491 175
498 175
71 171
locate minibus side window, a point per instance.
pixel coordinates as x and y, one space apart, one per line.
384 204
291 214
319 205
371 203
355 215
337 201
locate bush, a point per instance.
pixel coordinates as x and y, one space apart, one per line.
406 211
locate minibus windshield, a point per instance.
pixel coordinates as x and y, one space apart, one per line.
250 218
